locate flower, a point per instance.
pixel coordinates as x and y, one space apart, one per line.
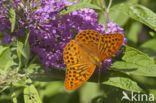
7 38
50 32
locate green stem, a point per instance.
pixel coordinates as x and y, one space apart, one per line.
33 59
13 94
27 37
105 12
109 5
50 76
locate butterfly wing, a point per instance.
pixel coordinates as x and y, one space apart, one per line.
89 39
79 68
109 44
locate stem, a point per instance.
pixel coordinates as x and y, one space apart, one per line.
27 37
46 75
106 11
33 59
109 5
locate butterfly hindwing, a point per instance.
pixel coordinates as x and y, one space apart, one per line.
109 44
78 74
79 69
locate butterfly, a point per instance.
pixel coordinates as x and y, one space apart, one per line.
85 53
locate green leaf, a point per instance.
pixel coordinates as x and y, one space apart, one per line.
89 91
3 88
24 50
101 17
31 95
20 49
117 15
33 67
78 6
12 18
117 79
6 59
144 15
2 49
122 81
53 88
27 47
139 13
13 96
117 12
134 32
153 92
135 62
150 44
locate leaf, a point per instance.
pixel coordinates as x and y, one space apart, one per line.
78 6
27 47
12 18
117 79
2 49
20 49
117 15
89 91
53 88
144 15
150 44
13 96
23 50
31 95
33 67
6 59
135 62
4 88
134 32
153 92
122 81
139 13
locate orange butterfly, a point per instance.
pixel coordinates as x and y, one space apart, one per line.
87 51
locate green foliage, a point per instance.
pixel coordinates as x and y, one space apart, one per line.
150 44
78 6
134 32
118 16
144 15
136 12
12 18
118 80
14 97
31 95
136 62
6 58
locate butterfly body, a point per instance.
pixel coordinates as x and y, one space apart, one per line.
87 51
92 57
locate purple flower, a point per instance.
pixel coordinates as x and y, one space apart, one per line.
6 39
50 32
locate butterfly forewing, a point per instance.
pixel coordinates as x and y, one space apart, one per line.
79 69
109 44
89 39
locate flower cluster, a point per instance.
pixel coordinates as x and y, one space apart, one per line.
50 32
